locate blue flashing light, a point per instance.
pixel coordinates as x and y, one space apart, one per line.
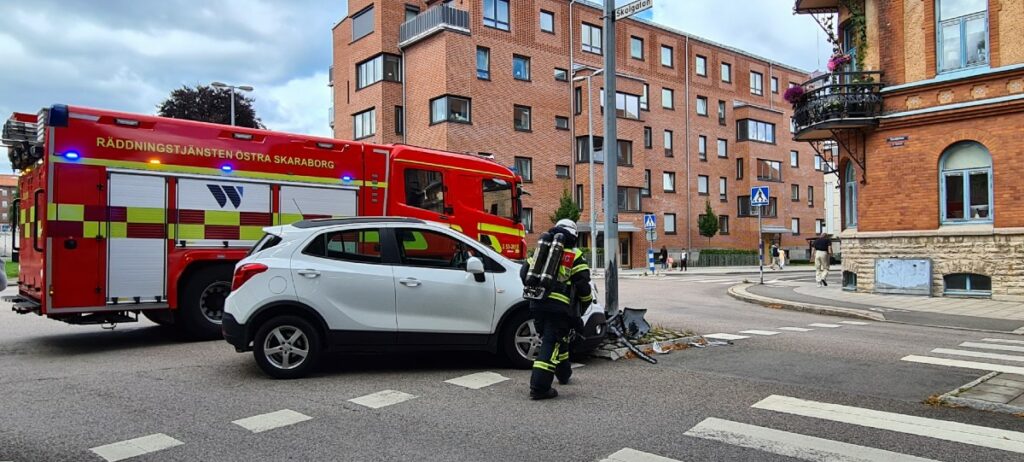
346 179
226 168
72 155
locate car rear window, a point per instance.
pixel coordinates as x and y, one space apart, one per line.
267 241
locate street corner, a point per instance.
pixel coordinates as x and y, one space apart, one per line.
780 298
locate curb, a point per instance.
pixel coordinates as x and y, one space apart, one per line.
739 292
952 398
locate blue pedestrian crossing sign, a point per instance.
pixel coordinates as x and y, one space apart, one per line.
650 221
758 196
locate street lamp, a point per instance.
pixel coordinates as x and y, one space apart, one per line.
233 88
590 156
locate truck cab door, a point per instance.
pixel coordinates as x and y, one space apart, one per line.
423 194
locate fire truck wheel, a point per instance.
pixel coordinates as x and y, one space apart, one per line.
520 340
286 347
202 302
160 317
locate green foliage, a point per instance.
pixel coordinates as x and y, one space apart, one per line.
209 104
11 268
858 24
708 222
567 208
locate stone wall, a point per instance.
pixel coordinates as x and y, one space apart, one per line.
999 255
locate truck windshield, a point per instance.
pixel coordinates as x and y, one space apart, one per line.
498 199
267 241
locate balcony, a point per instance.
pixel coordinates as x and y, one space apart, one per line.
837 101
427 23
816 6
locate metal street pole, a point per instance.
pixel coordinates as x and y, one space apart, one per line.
232 106
760 244
611 183
232 88
591 205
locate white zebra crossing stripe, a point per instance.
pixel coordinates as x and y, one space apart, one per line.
992 346
795 329
964 364
478 380
271 420
135 447
854 323
978 354
382 399
1002 340
723 336
819 324
792 444
632 455
932 428
760 332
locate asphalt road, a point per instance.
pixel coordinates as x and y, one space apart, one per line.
69 389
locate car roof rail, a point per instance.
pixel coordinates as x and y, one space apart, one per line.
322 222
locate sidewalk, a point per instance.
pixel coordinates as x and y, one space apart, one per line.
713 270
966 313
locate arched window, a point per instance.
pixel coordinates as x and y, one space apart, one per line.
850 196
967 284
966 177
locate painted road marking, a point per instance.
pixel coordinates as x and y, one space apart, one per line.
632 455
271 420
819 324
135 447
792 444
478 380
964 364
381 399
991 346
795 329
932 428
760 332
854 323
1002 340
723 336
978 354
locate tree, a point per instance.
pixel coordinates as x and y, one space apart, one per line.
209 104
567 208
708 222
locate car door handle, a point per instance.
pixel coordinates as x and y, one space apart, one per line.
309 273
409 282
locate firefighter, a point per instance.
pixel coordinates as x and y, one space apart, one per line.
555 315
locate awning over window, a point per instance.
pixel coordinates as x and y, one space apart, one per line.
767 229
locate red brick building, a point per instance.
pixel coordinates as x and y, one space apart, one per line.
698 121
928 116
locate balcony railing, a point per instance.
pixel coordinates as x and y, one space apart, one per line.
838 100
441 17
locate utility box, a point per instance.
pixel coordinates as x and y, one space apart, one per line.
906 276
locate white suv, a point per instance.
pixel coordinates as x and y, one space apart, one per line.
378 284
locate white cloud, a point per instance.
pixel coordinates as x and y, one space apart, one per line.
299 105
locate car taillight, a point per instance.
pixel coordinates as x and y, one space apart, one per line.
245 272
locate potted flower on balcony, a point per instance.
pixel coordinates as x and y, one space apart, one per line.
837 61
793 94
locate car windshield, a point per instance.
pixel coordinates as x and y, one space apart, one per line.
267 241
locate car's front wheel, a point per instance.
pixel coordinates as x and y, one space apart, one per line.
521 340
287 347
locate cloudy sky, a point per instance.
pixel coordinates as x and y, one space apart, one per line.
128 54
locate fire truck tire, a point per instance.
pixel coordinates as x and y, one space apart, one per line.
287 347
520 340
202 302
160 317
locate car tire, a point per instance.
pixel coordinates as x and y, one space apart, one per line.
289 335
519 337
201 304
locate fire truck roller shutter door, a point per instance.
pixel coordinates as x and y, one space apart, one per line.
213 211
136 251
300 202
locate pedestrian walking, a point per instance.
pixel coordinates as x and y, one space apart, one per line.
782 259
682 259
822 258
775 257
663 256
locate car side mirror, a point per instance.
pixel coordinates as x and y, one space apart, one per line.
474 265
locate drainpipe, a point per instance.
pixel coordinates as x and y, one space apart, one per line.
686 142
771 75
405 110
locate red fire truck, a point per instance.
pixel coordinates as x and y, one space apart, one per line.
121 214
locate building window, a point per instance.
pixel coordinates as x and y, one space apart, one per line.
702 147
483 63
636 47
364 124
794 225
775 85
524 167
702 185
561 75
577 100
627 106
755 130
721 112
496 14
723 148
769 170
817 162
745 210
625 150
668 143
561 171
590 39
399 120
411 11
966 183
450 109
561 123
810 196
723 189
727 72
794 159
629 199
850 196
646 190
643 98
521 118
962 34
702 106
579 196
723 224
380 67
521 67
668 98
526 217
819 226
702 66
547 21
756 83
666 56
670 223
648 138
967 284
362 23
739 168
669 182
794 192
